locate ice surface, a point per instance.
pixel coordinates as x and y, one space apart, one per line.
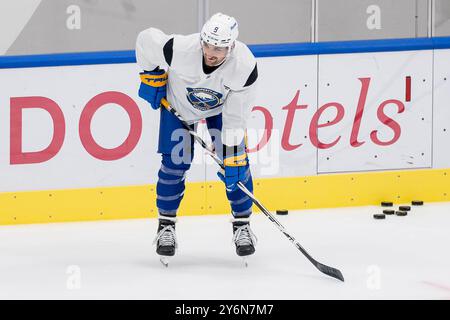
397 258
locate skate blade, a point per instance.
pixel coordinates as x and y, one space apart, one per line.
164 260
245 261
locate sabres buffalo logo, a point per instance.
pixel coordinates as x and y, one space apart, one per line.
204 99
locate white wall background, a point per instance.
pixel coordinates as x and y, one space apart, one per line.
316 81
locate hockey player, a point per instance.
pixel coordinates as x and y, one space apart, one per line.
207 75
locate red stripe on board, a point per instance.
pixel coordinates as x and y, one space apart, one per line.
408 89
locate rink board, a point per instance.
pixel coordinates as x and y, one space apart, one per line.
326 130
309 192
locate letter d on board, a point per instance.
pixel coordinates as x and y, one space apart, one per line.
17 104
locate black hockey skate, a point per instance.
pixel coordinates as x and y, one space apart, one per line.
243 237
165 240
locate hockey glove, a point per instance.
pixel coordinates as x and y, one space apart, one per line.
153 86
236 169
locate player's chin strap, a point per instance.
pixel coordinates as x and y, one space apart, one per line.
332 272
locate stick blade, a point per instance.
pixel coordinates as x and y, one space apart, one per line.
332 272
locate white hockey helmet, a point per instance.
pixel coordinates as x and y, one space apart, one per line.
220 31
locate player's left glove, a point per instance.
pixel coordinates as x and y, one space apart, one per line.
236 169
153 86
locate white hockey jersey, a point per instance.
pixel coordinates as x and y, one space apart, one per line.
195 95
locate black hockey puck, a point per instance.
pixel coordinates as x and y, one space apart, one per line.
386 204
282 212
379 216
417 203
401 213
404 208
388 211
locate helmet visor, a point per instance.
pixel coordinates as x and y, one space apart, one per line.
213 49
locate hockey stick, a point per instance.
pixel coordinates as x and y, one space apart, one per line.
332 272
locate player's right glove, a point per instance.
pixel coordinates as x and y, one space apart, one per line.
153 86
